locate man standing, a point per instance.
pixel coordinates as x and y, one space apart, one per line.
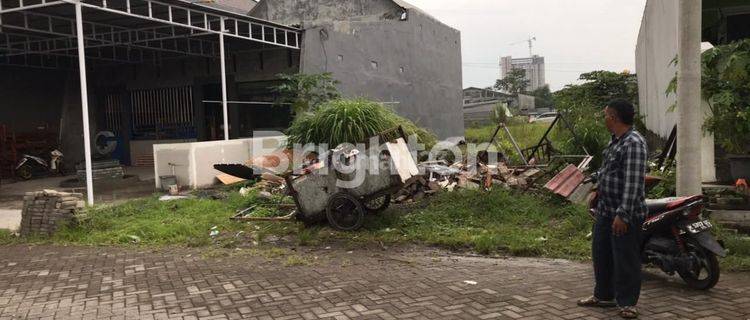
620 212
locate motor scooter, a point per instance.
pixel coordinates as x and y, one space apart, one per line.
31 166
677 239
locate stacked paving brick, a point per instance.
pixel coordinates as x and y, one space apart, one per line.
103 173
45 211
101 170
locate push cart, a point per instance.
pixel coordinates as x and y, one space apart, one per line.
346 183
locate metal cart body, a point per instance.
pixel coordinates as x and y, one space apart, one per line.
343 198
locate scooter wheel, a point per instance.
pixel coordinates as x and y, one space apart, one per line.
705 273
24 172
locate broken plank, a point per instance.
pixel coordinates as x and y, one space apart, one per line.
229 179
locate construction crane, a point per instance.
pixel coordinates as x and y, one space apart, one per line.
530 40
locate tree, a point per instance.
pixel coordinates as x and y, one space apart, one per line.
583 104
305 92
600 87
515 82
543 97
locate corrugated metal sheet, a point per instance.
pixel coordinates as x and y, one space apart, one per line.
565 182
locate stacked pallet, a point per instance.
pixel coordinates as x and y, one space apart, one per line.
45 211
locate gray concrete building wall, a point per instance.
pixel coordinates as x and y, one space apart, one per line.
310 13
480 113
412 62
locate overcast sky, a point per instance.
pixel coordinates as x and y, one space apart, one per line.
574 36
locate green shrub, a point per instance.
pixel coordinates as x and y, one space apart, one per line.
583 104
305 92
351 121
665 188
725 75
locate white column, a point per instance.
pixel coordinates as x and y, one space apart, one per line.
689 113
708 154
84 102
223 81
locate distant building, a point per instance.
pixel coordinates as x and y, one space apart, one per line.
481 105
474 95
534 67
526 104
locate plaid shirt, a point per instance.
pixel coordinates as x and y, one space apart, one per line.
621 178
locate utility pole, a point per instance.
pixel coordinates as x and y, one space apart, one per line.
689 114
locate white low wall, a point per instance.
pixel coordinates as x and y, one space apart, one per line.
193 161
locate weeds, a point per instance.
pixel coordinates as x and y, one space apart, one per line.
495 222
6 237
307 236
296 260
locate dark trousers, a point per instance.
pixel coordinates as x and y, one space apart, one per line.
617 262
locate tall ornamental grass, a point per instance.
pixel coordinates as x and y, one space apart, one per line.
352 121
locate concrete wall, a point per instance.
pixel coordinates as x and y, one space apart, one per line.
656 48
479 113
415 62
321 11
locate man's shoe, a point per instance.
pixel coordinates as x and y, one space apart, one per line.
593 301
628 312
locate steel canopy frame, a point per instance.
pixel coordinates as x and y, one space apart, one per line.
198 20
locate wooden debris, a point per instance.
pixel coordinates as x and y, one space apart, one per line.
229 179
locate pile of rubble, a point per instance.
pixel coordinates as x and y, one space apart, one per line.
439 176
269 184
45 211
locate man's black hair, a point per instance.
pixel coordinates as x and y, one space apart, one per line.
624 110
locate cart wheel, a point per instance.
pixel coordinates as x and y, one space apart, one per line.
345 212
377 205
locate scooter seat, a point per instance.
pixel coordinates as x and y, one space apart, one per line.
658 205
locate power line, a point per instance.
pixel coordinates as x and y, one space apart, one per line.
546 69
555 63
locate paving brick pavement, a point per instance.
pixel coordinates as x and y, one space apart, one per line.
416 283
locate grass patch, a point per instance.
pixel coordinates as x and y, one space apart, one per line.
6 237
499 221
738 249
297 260
496 222
149 221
